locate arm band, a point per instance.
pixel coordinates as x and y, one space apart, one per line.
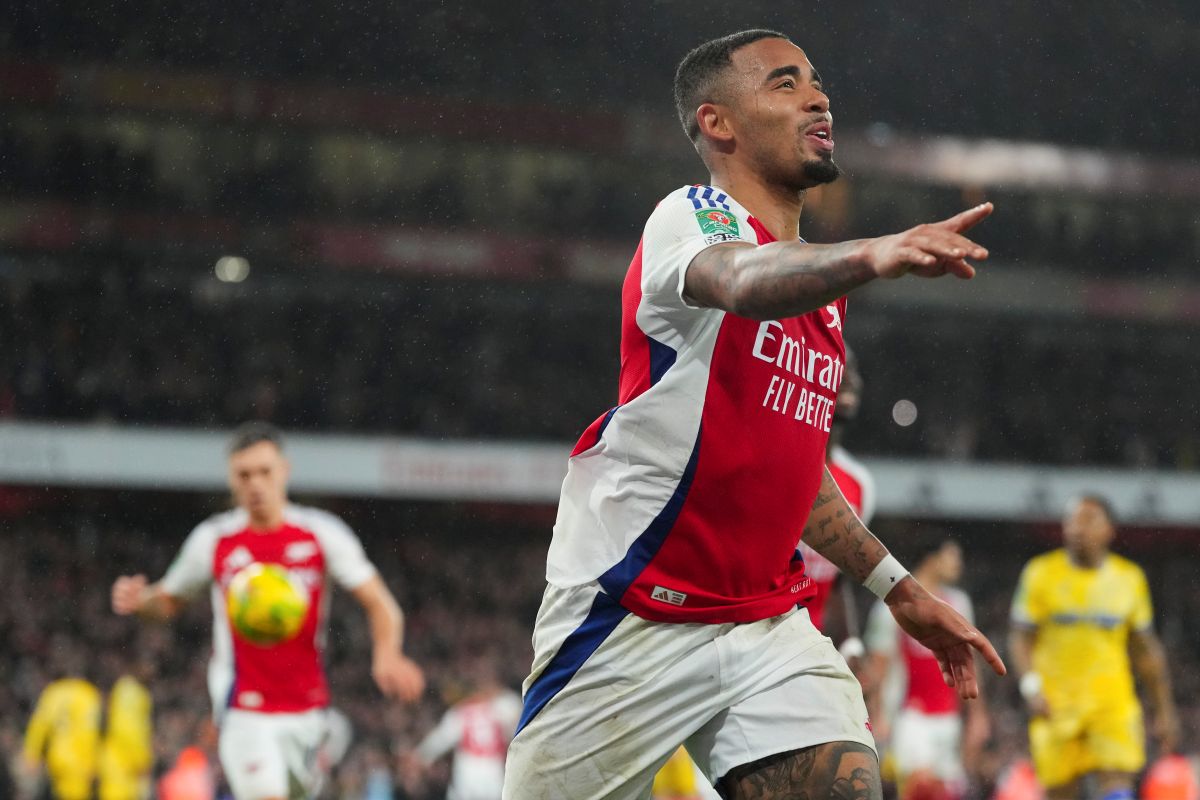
885 576
1030 685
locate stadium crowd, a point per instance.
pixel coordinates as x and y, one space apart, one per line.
443 358
264 177
469 578
988 61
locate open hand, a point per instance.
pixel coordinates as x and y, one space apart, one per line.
952 639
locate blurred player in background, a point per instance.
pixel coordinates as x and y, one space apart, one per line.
127 750
858 487
1080 616
671 612
270 701
923 722
90 744
477 730
64 732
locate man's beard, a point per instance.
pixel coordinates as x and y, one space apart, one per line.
821 170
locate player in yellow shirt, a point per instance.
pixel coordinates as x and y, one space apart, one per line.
1081 615
126 752
64 737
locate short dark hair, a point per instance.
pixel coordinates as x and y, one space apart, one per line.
929 547
696 78
1101 502
251 433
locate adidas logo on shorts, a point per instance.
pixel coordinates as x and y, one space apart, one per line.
665 595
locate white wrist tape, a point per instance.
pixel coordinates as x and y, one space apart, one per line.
885 576
1030 685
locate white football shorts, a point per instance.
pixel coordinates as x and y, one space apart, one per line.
272 755
611 695
929 743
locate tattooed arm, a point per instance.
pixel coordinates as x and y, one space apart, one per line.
786 279
836 532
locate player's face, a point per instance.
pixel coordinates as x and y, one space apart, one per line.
258 479
780 115
950 563
1087 530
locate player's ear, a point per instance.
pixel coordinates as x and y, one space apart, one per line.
713 120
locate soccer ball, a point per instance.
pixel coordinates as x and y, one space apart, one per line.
265 605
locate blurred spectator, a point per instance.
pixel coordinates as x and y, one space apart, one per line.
444 358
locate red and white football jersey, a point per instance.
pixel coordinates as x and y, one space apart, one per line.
685 500
858 486
918 684
478 731
313 546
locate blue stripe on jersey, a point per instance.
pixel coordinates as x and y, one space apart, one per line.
576 649
662 358
622 574
607 419
702 196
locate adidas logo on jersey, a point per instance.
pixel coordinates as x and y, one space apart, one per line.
665 595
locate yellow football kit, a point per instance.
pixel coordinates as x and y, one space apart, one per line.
126 754
1083 618
64 734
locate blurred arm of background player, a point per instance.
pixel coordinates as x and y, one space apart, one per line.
977 729
836 532
1150 666
133 594
786 279
396 674
1021 639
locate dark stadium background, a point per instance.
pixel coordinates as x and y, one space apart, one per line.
406 224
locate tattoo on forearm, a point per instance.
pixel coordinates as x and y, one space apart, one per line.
836 532
833 771
780 280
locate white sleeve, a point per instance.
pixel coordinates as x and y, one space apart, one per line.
677 231
964 606
344 557
442 739
192 570
508 711
868 495
882 634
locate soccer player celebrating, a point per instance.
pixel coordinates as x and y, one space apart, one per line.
671 611
270 699
926 735
1078 615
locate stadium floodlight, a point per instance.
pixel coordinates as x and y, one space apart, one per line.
232 269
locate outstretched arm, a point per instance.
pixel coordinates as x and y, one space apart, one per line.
133 594
396 674
1150 664
786 279
836 532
